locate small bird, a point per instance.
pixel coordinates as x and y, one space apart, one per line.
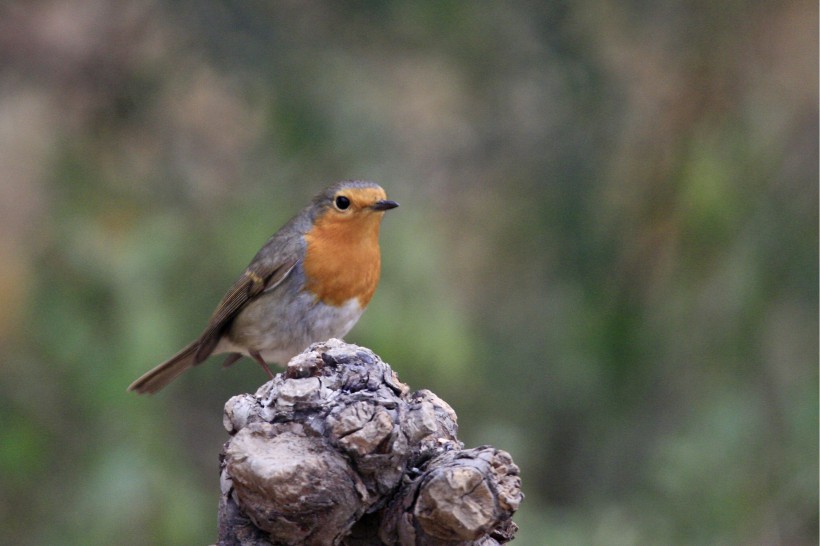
310 281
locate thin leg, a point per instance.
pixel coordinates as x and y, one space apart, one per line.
233 357
258 358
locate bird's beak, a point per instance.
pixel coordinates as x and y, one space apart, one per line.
384 204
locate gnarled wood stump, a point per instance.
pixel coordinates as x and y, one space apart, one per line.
337 451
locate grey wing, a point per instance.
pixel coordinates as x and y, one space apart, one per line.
257 278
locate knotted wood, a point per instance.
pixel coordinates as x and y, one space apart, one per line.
337 451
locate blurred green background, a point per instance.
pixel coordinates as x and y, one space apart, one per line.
606 257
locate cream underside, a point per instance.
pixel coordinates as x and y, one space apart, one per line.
321 323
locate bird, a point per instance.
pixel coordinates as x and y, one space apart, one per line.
309 282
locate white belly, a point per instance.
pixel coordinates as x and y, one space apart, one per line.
280 330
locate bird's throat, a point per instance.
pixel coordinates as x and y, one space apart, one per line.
342 259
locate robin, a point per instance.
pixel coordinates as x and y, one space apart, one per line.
310 281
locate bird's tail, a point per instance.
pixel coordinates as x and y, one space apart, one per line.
166 372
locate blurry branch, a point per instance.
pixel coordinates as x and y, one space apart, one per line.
336 450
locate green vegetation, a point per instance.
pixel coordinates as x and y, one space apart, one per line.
606 258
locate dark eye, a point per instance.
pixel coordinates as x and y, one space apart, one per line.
342 202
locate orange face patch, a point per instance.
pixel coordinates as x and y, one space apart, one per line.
342 259
361 199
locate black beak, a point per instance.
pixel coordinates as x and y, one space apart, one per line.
384 204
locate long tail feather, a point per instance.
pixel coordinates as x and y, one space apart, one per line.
166 372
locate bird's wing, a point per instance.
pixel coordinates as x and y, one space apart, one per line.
261 275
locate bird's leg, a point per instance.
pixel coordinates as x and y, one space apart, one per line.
233 357
258 358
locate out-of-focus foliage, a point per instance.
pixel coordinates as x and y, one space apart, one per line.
605 259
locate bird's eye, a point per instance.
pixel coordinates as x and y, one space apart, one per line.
342 202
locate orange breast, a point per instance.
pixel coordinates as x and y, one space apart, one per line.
342 259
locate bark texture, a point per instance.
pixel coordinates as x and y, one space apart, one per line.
337 451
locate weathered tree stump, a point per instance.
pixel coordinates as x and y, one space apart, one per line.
336 451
